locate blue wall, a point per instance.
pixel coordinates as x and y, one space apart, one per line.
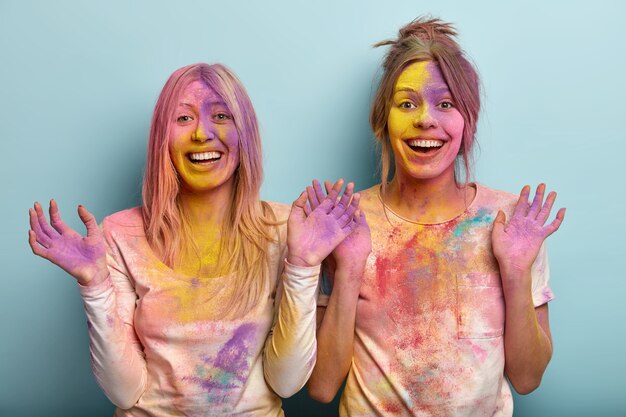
78 82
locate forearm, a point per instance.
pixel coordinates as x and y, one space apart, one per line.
117 363
335 336
527 345
289 354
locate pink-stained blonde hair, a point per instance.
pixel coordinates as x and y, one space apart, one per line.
247 229
428 39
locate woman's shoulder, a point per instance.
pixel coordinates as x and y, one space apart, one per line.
126 220
370 198
487 197
280 210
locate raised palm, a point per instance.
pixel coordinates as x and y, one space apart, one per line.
83 257
516 243
355 248
313 233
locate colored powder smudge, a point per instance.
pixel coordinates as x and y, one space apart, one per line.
229 368
482 217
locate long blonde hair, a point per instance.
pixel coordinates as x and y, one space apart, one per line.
247 229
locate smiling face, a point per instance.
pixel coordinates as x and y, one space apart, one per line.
425 128
203 142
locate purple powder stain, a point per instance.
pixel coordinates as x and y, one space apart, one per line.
229 369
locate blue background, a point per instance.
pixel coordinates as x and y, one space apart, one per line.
78 83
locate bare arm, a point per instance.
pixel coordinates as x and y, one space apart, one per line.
335 334
336 321
516 244
527 340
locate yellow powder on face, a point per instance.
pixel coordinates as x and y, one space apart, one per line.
414 77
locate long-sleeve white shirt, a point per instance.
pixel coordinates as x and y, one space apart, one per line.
158 347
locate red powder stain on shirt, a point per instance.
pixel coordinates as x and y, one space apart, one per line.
391 407
383 265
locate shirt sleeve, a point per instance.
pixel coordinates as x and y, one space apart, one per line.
117 356
291 348
540 272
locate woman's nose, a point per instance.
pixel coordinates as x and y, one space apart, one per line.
424 119
204 131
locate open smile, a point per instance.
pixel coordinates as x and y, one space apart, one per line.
204 158
425 146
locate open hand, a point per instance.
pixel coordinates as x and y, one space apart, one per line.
516 243
84 258
312 233
354 249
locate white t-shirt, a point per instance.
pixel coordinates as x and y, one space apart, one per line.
430 315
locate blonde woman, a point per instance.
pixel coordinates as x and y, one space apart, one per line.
200 302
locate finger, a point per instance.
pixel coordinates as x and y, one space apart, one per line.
352 224
556 223
319 193
521 208
312 197
334 192
329 202
55 218
307 209
328 186
35 227
348 213
298 207
35 246
537 201
547 208
344 202
499 221
43 222
300 202
360 215
89 220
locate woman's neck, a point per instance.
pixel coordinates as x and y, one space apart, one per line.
432 200
206 209
205 214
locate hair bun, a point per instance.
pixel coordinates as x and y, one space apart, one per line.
426 28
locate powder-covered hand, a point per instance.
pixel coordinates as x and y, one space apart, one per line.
312 233
516 243
84 258
354 249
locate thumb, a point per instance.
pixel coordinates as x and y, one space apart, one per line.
498 223
90 222
298 206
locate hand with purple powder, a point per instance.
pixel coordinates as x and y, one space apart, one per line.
84 258
353 251
313 232
516 243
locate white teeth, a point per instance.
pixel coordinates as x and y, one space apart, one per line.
204 156
425 143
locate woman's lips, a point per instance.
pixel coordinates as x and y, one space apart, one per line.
425 146
204 157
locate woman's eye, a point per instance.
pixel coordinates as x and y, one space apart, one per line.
446 105
222 116
184 119
407 105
